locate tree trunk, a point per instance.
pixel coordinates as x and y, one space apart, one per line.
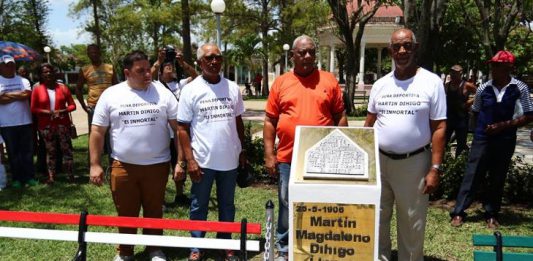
155 37
425 53
96 23
409 14
264 34
186 31
341 54
351 71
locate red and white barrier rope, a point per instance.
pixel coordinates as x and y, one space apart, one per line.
132 222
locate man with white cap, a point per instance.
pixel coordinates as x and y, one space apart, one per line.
494 138
15 122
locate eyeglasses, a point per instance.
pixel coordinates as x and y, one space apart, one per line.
302 53
213 57
406 46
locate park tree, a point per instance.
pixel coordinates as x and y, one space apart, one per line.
297 18
244 50
186 31
425 18
266 19
139 24
459 43
348 16
497 19
25 22
520 43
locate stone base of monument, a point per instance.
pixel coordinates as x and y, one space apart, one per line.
334 193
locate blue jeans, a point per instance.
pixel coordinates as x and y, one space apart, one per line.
19 145
488 163
201 191
282 242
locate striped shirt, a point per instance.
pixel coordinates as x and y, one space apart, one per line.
495 106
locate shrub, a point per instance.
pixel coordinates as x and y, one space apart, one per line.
360 111
452 177
518 187
254 154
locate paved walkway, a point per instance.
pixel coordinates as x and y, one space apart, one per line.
255 111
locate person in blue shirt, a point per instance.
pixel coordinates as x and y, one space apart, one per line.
496 105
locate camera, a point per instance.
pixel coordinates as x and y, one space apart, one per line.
170 54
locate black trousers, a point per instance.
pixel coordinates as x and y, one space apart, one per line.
488 164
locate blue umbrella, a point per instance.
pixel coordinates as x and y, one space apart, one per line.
19 51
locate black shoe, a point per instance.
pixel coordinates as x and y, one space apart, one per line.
182 200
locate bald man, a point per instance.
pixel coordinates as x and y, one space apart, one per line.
407 107
211 133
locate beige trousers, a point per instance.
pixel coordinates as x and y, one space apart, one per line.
402 183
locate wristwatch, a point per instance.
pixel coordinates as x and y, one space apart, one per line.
182 164
437 167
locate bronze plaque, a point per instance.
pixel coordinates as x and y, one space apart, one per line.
331 231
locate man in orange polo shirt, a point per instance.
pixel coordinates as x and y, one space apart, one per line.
304 96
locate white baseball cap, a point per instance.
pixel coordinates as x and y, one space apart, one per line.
7 59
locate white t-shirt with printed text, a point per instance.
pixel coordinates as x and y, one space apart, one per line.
211 111
404 109
175 87
18 112
137 121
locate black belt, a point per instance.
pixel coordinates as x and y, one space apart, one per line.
406 155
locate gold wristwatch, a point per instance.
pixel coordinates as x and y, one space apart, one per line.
182 164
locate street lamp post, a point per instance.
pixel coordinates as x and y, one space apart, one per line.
218 7
286 48
47 50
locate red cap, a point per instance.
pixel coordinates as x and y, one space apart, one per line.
502 57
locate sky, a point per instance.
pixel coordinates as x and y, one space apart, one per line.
64 29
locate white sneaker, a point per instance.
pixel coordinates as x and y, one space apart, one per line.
123 258
158 255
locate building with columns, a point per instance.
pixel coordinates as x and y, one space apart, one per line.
376 35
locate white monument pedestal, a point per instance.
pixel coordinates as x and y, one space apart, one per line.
334 193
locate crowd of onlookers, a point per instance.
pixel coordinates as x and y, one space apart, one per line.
35 118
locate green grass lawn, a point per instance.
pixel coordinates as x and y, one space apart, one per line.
442 241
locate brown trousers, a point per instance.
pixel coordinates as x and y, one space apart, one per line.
135 186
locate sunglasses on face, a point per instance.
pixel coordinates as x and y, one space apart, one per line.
302 53
406 46
213 57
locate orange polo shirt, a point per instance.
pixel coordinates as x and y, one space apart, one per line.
294 100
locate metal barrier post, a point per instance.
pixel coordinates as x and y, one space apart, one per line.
244 253
498 248
81 254
269 237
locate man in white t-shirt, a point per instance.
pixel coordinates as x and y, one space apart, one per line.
211 134
136 112
407 107
15 122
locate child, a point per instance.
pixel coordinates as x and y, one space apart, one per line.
2 169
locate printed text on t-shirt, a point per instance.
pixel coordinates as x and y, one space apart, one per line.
217 109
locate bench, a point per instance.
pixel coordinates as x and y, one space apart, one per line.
497 241
360 97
